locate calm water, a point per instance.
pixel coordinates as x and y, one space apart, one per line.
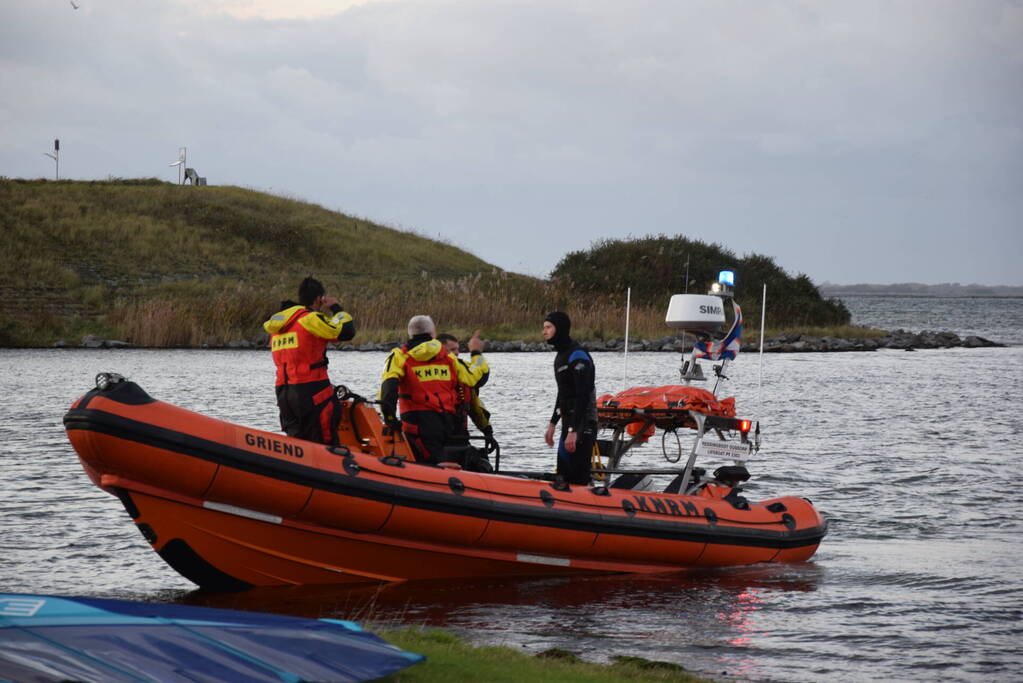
999 320
914 458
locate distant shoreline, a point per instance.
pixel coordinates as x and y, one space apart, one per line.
946 290
902 295
785 343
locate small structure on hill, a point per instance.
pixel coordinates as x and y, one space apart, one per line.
193 177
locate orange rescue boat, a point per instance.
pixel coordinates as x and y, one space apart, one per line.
231 507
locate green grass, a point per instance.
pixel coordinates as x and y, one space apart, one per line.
163 265
451 659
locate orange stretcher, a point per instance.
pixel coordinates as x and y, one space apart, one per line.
643 410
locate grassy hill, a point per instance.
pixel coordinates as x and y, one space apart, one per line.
654 267
164 265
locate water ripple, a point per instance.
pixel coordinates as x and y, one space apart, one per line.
918 578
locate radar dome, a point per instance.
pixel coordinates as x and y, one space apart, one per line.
702 313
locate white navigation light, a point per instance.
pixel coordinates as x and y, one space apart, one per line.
105 380
701 313
727 277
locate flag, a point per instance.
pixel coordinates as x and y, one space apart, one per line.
727 347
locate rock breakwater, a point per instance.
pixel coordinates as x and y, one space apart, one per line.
789 343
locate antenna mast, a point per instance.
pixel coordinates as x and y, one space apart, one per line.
628 306
760 382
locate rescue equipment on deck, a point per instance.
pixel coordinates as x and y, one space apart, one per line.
645 409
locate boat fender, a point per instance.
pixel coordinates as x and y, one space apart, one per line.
789 521
457 487
393 461
710 515
351 467
600 491
547 498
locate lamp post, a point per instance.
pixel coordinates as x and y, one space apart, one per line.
56 158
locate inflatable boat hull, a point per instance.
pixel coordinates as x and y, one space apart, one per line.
230 507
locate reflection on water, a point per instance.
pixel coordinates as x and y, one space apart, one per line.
708 616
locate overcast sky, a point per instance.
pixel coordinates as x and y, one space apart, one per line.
855 141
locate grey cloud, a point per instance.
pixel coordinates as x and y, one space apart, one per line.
521 130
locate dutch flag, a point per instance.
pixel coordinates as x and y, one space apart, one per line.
727 347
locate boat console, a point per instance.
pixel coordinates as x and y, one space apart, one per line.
635 415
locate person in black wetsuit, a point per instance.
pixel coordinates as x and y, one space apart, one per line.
576 405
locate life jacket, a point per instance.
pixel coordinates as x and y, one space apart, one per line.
465 396
430 382
470 405
299 355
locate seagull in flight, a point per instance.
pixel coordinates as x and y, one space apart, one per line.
73 4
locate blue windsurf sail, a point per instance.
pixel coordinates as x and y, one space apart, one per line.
45 638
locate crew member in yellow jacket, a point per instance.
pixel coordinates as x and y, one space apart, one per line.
299 335
423 379
471 404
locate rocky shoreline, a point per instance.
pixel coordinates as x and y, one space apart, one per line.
792 343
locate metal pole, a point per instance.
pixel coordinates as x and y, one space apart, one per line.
720 373
700 419
628 305
763 317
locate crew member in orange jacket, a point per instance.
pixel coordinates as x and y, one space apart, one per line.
299 335
424 378
471 405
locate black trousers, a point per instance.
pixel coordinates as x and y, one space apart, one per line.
575 467
426 431
309 411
